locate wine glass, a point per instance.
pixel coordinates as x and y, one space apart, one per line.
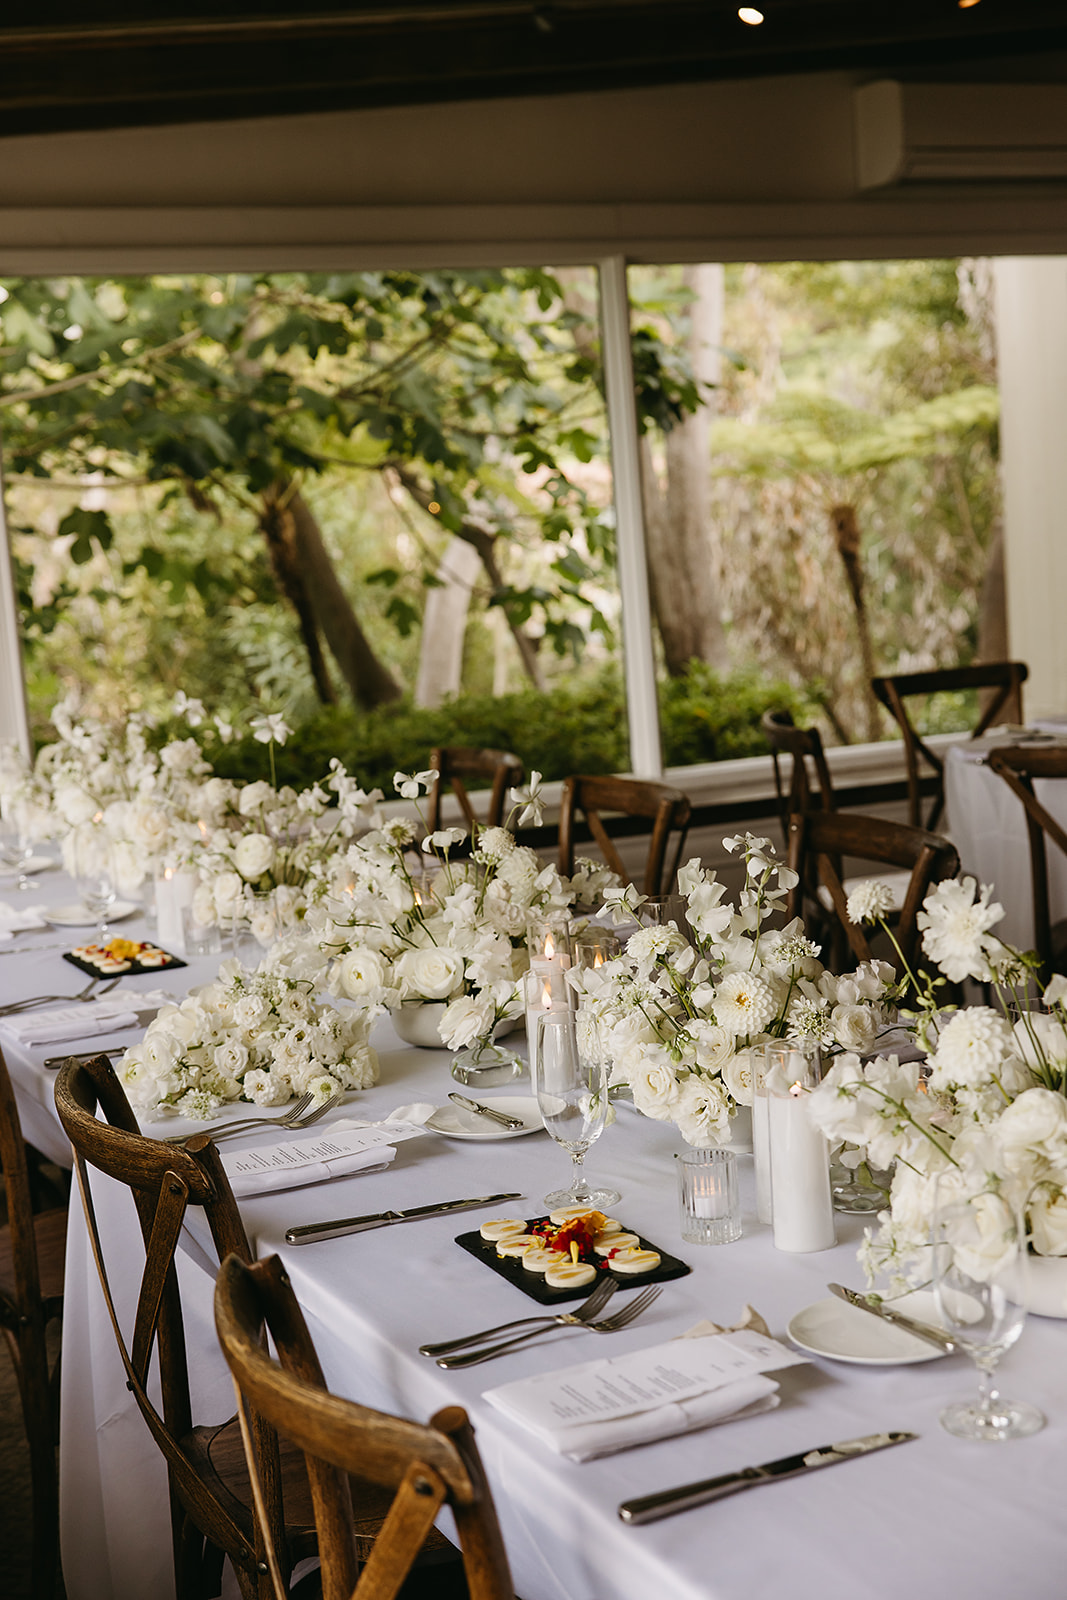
16 846
97 892
571 1083
980 1270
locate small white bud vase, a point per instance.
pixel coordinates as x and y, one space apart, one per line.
799 1156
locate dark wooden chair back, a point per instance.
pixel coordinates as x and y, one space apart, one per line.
165 1180
31 1297
426 1466
1019 766
1003 680
823 838
498 771
667 808
809 775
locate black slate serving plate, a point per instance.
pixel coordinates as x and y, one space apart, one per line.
533 1284
130 971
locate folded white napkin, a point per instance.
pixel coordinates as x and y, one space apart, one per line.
18 919
603 1406
338 1151
53 1026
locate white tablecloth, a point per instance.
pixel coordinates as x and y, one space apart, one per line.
987 824
934 1518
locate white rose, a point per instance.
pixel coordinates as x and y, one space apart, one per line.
654 1084
253 797
855 1026
150 828
737 1076
701 1111
253 856
465 1020
361 972
1048 1223
249 1011
430 974
231 1058
227 890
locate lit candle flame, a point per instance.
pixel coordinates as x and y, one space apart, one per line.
168 873
598 959
796 1090
550 947
546 995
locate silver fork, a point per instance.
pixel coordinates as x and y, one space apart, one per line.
588 1308
89 993
218 1130
621 1319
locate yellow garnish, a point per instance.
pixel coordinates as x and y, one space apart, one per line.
122 949
575 1252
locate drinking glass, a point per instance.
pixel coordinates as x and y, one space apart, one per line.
979 1261
16 846
97 892
571 1083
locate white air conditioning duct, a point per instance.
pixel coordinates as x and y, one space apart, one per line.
935 133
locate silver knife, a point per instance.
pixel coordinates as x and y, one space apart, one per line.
650 1507
53 1063
312 1232
486 1111
921 1330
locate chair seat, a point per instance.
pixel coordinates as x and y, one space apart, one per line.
896 882
50 1232
218 1455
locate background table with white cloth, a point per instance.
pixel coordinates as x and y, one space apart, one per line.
931 1518
987 824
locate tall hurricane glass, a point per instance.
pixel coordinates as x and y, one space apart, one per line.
571 1082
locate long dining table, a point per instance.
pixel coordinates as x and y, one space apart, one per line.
930 1518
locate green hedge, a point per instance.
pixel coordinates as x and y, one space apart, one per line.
575 728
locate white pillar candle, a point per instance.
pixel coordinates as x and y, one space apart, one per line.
173 891
761 1145
800 1163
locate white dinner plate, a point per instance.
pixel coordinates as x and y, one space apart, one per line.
844 1333
455 1123
79 917
33 864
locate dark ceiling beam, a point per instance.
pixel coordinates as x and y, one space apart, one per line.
94 66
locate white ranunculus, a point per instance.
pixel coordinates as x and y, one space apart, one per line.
250 1012
1036 1120
1048 1222
361 972
253 856
266 1088
231 1057
429 974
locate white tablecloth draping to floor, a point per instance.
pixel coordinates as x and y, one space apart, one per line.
928 1519
987 824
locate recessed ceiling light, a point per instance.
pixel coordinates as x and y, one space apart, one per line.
753 17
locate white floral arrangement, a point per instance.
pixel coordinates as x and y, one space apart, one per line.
393 929
263 852
257 1036
679 1013
985 1120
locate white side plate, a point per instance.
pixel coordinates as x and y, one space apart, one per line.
455 1123
79 917
844 1333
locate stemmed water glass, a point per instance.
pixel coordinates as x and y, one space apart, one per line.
571 1082
980 1272
97 892
16 846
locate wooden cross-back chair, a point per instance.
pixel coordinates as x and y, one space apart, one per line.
499 770
1003 680
424 1466
211 1506
802 746
32 1247
823 838
667 808
1019 766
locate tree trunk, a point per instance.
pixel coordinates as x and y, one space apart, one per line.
484 542
678 516
444 624
308 579
846 532
993 610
